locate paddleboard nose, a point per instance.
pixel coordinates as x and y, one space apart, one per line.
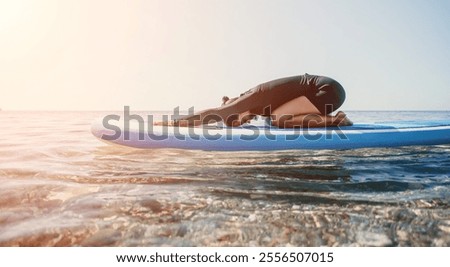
99 130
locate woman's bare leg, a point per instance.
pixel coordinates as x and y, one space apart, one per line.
300 112
313 121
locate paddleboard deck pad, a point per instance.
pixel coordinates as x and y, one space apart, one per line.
251 137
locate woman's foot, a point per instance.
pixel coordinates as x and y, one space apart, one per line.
342 119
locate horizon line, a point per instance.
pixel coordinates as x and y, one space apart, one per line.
182 110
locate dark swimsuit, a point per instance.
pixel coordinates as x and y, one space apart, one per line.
326 94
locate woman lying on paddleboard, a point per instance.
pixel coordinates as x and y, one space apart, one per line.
298 101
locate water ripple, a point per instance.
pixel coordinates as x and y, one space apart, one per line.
62 187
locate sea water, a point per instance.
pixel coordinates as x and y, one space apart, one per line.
60 186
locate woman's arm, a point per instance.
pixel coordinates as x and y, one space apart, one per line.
211 116
234 113
199 118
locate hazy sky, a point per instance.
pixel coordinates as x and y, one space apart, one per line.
155 55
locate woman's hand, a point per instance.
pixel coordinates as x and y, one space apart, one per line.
181 123
163 123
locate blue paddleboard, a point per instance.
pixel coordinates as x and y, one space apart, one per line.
251 137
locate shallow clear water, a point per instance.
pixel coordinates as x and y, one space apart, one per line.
62 187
